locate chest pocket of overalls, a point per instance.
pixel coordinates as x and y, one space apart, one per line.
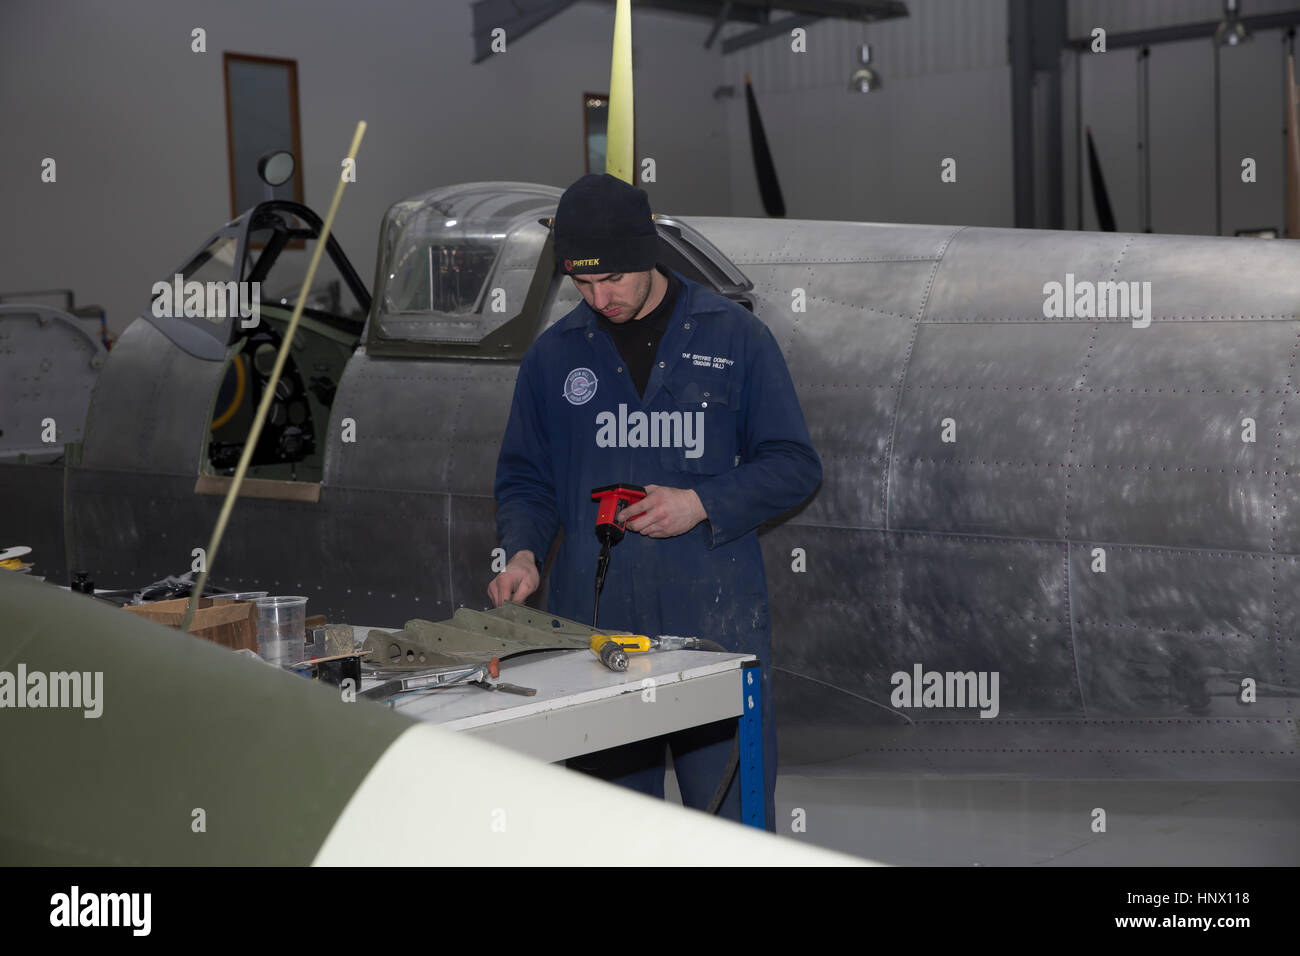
710 412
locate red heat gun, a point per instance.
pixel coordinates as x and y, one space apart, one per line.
610 529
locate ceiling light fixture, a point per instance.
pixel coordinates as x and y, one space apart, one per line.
865 79
1231 31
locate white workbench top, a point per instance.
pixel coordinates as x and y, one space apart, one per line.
562 679
582 705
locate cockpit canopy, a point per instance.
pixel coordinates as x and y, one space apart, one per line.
466 271
458 264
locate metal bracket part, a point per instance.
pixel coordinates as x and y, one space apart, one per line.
471 636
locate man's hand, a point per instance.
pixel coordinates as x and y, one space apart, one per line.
517 581
665 512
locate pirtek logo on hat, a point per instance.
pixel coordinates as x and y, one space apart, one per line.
571 264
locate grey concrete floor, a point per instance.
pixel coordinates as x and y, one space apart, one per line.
979 821
997 822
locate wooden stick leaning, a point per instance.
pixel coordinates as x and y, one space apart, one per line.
269 393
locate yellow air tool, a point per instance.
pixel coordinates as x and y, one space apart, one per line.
612 649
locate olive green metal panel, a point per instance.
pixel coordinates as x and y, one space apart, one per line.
471 637
186 732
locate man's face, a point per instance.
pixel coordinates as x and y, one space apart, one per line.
618 296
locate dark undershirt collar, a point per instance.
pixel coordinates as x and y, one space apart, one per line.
637 340
657 320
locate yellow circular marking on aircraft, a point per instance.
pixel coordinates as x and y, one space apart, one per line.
241 378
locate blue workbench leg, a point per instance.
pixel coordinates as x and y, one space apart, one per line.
753 808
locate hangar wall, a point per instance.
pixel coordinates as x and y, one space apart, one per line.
1123 15
1181 133
876 157
136 121
141 143
1182 119
947 92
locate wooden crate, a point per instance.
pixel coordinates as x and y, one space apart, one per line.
230 623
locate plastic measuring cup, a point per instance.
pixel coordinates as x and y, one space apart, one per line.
241 595
281 628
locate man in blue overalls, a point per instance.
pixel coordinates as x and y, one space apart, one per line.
659 382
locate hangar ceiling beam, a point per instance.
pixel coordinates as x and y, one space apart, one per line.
1188 31
516 17
760 11
723 12
759 34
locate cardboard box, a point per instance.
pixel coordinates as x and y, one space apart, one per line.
231 624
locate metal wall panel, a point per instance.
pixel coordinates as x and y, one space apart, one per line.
1252 115
1182 138
1110 108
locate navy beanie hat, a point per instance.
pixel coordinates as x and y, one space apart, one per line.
603 225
